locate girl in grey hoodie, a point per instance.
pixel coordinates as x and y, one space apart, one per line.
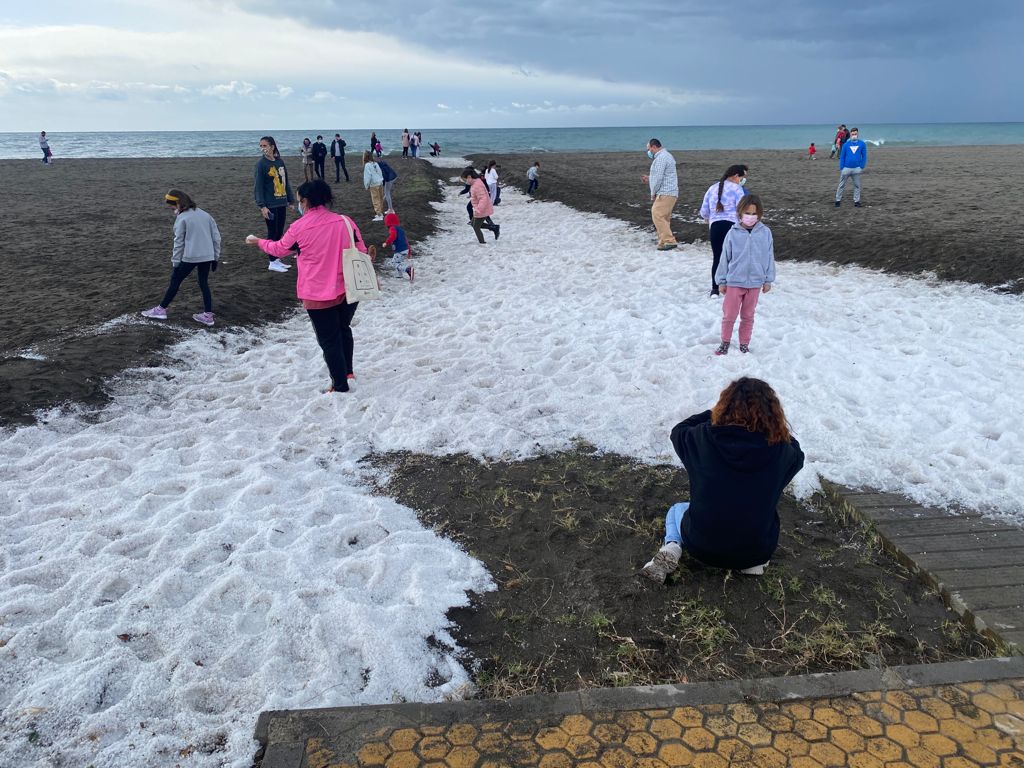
746 270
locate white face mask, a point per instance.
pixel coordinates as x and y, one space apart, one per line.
742 181
299 208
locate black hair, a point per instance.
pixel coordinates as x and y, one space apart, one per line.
654 143
270 140
318 138
316 192
471 172
184 201
732 170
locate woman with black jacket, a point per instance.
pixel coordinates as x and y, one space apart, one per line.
739 457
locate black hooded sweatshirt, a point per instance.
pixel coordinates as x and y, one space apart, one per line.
736 480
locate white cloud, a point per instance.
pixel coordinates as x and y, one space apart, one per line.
443 106
227 90
284 91
322 96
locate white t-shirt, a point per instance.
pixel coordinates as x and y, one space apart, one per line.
491 177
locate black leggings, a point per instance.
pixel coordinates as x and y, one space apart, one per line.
333 327
339 167
275 226
719 230
484 223
178 275
318 167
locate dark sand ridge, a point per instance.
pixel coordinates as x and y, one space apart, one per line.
938 209
87 241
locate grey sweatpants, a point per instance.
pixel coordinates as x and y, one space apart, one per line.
387 195
848 173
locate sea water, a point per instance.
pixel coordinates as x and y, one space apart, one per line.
459 142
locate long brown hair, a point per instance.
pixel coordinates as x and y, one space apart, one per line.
752 404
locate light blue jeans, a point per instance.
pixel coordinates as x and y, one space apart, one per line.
849 173
673 522
398 262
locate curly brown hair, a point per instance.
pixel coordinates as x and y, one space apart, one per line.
752 404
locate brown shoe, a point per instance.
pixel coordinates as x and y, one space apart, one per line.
667 246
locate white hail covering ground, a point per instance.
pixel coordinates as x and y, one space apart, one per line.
216 513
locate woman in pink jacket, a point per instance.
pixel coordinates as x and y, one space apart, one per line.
320 236
480 199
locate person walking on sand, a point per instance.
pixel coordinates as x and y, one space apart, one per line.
405 143
396 237
373 180
491 177
319 156
273 195
44 145
338 153
664 185
480 199
373 142
306 153
853 159
319 236
196 247
837 142
719 210
739 457
747 269
533 176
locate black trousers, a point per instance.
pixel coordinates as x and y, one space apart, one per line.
339 167
318 166
275 225
178 275
480 224
333 327
719 230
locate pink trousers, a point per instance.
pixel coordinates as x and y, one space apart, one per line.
742 302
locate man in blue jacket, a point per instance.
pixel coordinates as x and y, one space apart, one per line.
852 160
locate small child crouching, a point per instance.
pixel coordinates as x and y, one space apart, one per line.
396 237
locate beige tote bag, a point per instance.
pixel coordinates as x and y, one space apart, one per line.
361 282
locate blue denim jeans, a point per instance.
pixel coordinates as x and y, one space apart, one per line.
673 522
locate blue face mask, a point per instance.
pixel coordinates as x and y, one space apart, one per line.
299 208
650 154
743 181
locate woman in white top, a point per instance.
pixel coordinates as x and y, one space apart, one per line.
306 152
491 178
719 210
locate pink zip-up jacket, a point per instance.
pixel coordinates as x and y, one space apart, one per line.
321 236
481 199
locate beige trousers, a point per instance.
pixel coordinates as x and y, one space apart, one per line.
377 198
661 214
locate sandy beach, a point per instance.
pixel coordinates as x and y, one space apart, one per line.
88 241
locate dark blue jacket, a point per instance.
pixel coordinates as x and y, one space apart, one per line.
736 480
387 171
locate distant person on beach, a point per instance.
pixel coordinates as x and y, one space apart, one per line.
435 150
319 156
196 247
664 185
319 236
491 177
306 153
533 176
837 142
739 457
811 151
379 149
338 153
396 237
719 210
373 142
273 195
747 269
414 143
483 209
44 145
390 176
853 159
405 143
373 180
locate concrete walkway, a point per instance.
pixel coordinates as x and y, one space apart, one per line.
931 716
976 564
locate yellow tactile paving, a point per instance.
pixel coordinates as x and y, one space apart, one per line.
950 726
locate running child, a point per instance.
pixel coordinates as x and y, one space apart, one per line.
396 237
746 270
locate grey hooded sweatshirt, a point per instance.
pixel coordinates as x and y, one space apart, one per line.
748 257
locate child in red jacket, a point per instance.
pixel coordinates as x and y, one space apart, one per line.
396 237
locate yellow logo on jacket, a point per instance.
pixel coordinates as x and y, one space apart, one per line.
279 180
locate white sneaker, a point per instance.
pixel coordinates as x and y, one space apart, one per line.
663 563
757 570
378 218
277 266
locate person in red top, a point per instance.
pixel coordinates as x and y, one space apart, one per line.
319 236
837 143
811 151
480 199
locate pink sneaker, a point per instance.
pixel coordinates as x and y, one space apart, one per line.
156 313
206 318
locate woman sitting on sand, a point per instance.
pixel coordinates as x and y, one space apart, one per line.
719 211
320 236
739 456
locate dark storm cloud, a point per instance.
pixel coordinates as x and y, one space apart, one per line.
909 53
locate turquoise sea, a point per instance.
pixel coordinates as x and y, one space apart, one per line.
505 140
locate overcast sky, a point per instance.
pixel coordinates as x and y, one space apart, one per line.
206 65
